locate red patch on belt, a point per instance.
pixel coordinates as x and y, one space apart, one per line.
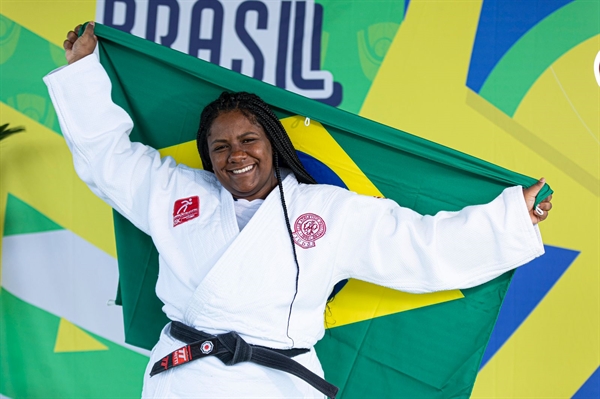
186 209
181 356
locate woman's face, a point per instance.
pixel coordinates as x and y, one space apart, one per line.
241 156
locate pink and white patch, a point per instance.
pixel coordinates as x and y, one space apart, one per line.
308 228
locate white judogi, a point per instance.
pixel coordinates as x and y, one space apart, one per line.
217 278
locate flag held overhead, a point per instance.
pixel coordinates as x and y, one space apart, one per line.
437 348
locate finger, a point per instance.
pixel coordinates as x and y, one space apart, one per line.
538 211
77 29
72 37
89 29
539 217
532 191
538 185
67 45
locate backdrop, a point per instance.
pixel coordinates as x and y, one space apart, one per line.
509 82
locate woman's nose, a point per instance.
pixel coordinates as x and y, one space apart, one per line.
237 155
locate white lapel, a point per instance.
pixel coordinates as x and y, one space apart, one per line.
268 217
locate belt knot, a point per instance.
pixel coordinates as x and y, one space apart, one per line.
239 350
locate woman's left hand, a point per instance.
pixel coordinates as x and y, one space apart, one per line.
537 213
76 47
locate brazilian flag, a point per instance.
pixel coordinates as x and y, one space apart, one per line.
379 342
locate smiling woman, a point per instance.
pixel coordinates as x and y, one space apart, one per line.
230 110
241 156
253 295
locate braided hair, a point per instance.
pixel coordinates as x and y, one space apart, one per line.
284 153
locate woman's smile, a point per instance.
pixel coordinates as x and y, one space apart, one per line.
243 170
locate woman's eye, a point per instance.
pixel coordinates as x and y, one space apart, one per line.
219 148
248 140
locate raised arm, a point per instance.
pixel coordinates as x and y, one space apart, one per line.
126 175
396 247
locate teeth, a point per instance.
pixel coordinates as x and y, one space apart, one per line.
238 171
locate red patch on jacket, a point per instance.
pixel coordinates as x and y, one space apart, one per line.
186 209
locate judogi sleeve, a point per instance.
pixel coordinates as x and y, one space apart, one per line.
122 173
396 247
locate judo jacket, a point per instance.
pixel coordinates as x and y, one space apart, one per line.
217 278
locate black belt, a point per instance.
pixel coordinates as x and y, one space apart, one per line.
231 349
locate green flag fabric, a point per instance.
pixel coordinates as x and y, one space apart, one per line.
425 352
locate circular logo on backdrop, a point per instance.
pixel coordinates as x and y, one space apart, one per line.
308 228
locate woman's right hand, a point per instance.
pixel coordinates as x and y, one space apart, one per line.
78 47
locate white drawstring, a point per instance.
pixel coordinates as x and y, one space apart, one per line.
539 211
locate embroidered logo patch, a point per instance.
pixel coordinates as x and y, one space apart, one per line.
186 209
181 355
206 347
308 228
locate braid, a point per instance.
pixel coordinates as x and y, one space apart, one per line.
289 229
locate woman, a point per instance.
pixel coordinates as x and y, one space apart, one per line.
239 255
